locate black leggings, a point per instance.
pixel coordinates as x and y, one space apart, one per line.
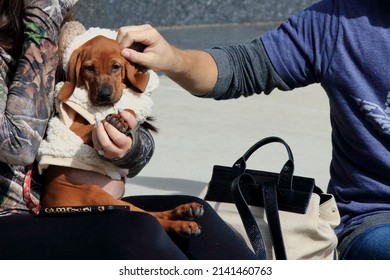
118 235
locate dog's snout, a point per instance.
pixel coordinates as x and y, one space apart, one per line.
104 94
103 91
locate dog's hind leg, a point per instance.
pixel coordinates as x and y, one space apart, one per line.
179 219
183 228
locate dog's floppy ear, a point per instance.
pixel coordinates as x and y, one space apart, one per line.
73 76
137 78
66 91
74 68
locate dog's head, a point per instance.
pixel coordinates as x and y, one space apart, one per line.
99 66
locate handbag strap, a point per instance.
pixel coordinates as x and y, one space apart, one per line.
250 225
272 213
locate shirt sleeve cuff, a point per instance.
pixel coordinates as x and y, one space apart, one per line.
224 75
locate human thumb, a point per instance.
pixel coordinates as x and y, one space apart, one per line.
129 54
133 56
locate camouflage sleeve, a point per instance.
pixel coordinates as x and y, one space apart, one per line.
26 96
139 155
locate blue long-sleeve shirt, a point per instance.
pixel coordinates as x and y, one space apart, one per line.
345 46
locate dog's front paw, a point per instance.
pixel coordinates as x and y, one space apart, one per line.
189 211
119 123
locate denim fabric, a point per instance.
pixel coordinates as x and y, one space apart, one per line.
372 244
369 240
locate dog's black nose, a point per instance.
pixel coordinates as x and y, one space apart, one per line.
104 94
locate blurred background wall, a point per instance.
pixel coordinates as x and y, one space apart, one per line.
116 13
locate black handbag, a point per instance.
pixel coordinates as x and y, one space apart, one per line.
274 193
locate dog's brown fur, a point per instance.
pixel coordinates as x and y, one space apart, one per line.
99 67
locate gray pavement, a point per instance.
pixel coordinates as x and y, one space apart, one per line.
195 133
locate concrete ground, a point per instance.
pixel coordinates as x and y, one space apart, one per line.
195 134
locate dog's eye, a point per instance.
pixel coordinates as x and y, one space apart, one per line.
90 68
116 68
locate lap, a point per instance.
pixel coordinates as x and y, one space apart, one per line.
217 240
118 235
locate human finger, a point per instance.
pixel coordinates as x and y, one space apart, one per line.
127 35
106 146
95 141
129 118
121 141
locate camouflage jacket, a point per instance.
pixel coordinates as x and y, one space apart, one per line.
26 103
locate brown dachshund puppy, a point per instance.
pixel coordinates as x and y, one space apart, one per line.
99 67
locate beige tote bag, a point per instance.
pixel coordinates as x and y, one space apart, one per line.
301 218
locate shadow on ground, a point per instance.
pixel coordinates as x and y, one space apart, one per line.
165 185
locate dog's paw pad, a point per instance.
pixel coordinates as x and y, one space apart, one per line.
189 212
193 212
199 211
118 122
189 231
186 233
197 231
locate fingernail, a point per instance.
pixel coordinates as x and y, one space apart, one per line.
125 52
97 123
120 110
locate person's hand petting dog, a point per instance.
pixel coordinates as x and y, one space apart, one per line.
194 70
112 143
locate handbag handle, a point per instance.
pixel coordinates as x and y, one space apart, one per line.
286 174
265 141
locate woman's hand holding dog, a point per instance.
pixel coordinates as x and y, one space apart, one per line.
112 143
